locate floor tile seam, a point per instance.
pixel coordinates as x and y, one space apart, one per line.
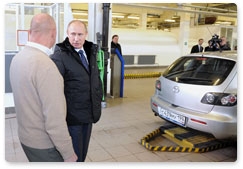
215 160
113 157
12 140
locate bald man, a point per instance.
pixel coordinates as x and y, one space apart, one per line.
39 99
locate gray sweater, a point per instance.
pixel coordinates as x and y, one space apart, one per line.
39 102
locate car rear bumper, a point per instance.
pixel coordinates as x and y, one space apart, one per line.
220 125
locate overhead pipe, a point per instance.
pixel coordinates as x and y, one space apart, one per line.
179 9
205 7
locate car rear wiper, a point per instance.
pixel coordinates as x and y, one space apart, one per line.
178 72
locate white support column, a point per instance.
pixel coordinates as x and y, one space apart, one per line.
109 45
95 21
184 32
135 60
95 14
143 21
67 17
22 26
17 22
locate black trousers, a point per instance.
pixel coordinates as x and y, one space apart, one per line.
42 155
80 137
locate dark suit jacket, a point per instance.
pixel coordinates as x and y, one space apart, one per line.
114 46
83 90
195 49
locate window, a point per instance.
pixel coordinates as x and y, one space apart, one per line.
199 70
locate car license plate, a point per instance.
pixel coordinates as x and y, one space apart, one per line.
173 117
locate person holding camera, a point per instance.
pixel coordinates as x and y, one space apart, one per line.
211 46
216 44
223 44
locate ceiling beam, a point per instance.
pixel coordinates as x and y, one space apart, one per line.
179 9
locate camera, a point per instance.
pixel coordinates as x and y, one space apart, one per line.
215 41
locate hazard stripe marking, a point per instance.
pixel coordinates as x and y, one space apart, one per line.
142 75
186 139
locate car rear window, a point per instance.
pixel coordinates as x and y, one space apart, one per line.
199 70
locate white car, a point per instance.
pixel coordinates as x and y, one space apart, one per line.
199 91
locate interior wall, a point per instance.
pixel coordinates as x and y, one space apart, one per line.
164 45
11 32
205 32
134 41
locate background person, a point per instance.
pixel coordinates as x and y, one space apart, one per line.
38 96
82 84
115 45
197 48
223 44
211 46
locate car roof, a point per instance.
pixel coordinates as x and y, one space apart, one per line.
230 55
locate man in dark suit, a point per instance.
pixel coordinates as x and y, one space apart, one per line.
197 48
75 58
115 45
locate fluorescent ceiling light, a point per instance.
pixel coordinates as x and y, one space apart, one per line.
133 17
117 16
223 23
83 20
78 13
169 20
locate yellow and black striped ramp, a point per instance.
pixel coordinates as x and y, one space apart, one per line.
142 75
188 140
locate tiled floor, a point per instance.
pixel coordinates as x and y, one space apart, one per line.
115 138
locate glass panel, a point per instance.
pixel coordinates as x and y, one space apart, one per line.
229 36
15 20
10 27
199 70
223 32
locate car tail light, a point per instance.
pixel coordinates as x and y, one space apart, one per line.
222 99
230 99
158 85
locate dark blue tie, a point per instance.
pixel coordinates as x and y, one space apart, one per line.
83 59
